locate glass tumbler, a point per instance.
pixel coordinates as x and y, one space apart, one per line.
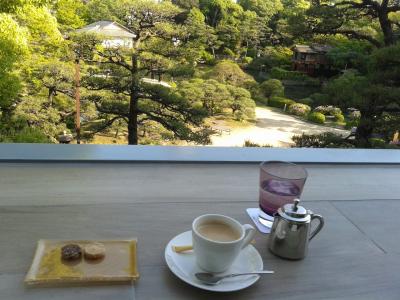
280 183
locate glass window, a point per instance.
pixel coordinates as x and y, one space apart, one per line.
197 76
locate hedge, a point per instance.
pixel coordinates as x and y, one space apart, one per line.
299 109
282 74
328 110
316 117
339 118
280 102
271 88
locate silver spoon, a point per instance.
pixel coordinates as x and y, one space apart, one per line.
212 279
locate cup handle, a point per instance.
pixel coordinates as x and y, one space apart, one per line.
319 227
250 232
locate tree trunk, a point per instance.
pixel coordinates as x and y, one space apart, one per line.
133 103
50 97
387 28
214 19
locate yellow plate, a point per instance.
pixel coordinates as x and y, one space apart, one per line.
118 266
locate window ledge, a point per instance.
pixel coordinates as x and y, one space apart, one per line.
201 154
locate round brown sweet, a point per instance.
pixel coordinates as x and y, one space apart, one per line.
94 251
71 252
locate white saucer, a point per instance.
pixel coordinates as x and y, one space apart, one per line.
184 266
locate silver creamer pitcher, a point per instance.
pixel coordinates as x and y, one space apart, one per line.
291 231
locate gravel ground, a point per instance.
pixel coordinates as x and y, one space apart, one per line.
271 128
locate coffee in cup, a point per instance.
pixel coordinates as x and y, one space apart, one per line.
218 231
218 240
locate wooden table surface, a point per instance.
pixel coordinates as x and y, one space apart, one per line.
356 255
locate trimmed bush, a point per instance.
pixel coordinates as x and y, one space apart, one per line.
316 117
328 110
355 115
299 109
280 102
254 88
271 88
227 71
283 74
339 118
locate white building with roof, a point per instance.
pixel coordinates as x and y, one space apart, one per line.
115 34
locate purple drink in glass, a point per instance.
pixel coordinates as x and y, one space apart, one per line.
274 192
280 183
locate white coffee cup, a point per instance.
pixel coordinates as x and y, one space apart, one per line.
215 255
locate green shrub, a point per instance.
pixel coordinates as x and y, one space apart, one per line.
27 135
227 71
279 73
355 115
335 111
339 118
328 110
377 143
271 88
324 140
283 74
307 101
251 144
208 58
239 115
262 100
183 71
299 109
254 88
320 99
247 60
316 117
280 102
270 57
351 123
250 85
248 143
228 52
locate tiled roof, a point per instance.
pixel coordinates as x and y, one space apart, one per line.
315 48
107 28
